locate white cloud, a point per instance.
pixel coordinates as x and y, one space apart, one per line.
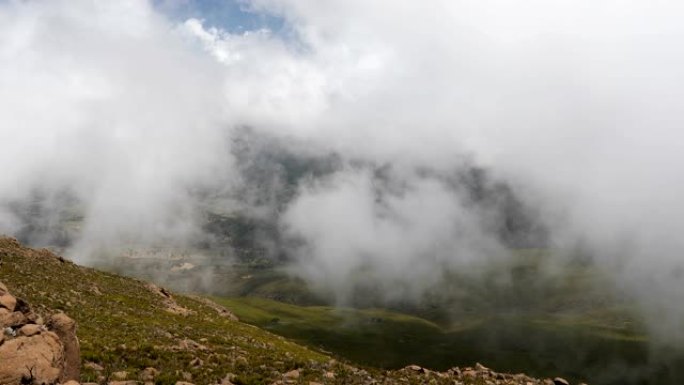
578 101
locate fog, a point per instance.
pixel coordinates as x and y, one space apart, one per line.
128 117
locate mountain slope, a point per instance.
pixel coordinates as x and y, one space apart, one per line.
126 325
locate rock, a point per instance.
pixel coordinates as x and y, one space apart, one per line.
38 358
8 301
415 368
30 329
122 383
168 301
228 379
120 376
95 290
65 328
184 383
29 353
3 288
188 344
222 311
13 319
560 381
93 366
71 382
330 375
292 374
148 374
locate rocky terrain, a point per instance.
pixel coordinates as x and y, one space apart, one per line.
33 351
127 332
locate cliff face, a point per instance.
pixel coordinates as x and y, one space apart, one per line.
134 332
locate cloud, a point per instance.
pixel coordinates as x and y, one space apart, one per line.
402 237
109 103
575 104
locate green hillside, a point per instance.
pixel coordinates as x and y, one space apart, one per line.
127 325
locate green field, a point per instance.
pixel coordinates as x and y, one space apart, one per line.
576 347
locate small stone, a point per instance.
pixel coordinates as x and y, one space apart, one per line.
120 376
30 330
228 379
329 375
469 373
184 383
71 382
148 374
8 301
560 381
13 319
93 366
292 374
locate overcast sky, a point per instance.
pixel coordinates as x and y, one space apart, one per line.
577 103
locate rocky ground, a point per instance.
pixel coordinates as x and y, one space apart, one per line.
32 350
132 332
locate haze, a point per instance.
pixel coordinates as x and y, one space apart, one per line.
577 105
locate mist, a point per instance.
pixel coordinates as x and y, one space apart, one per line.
129 117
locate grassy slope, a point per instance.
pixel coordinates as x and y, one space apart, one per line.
579 347
373 336
544 319
124 326
127 327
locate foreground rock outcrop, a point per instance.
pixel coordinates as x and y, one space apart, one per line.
33 351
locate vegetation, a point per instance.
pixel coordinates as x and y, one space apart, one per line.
578 347
125 326
575 330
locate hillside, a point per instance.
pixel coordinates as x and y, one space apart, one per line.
127 325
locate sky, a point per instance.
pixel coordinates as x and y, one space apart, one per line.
130 107
230 15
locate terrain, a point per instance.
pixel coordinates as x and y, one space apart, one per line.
532 312
129 328
526 314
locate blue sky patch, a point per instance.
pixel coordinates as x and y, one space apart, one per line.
230 15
